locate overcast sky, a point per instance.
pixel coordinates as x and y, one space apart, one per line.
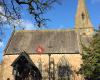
61 16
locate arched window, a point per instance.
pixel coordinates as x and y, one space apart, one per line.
64 71
83 16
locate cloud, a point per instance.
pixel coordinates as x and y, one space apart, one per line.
27 25
1 9
2 13
1 44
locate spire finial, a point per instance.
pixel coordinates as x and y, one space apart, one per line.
82 22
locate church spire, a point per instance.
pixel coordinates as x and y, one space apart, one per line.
82 22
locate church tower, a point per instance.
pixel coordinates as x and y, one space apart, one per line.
83 24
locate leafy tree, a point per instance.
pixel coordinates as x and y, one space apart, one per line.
90 68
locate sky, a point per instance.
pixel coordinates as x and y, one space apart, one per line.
61 17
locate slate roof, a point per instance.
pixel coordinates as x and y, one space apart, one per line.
51 41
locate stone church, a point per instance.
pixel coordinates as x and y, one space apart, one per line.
47 54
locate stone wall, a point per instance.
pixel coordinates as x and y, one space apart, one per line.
6 66
74 61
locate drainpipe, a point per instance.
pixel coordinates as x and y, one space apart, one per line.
49 66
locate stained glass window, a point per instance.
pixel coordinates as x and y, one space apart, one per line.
63 69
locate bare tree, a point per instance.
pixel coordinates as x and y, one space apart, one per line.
10 10
36 9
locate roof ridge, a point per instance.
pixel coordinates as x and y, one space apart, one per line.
44 30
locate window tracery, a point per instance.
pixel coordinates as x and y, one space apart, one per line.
63 69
